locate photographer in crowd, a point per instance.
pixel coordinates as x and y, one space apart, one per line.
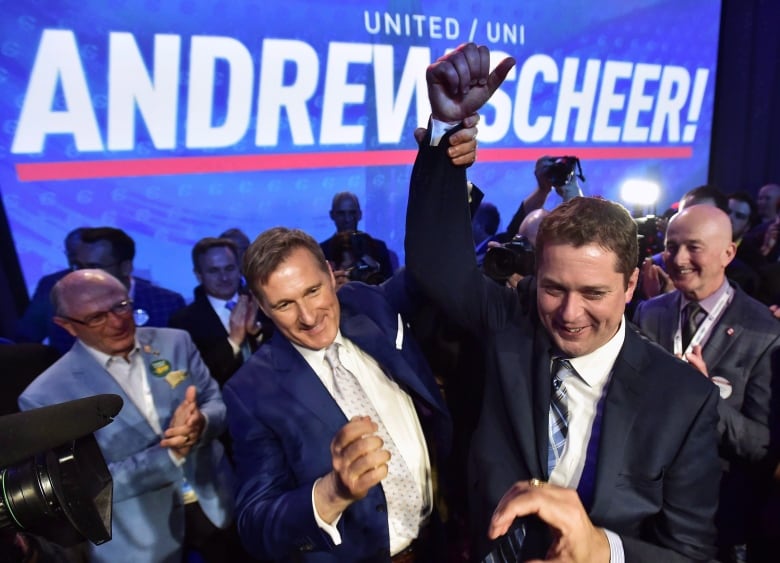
345 213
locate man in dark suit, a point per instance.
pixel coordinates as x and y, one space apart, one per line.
317 483
37 322
731 339
222 322
112 250
604 458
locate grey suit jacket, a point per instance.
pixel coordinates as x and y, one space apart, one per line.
148 516
744 349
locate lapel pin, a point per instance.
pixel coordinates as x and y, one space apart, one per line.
730 331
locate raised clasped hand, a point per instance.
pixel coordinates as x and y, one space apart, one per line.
460 82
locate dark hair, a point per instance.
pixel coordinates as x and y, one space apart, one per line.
235 233
745 197
707 192
122 246
344 195
273 247
590 220
205 244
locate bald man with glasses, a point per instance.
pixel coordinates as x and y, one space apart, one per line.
172 482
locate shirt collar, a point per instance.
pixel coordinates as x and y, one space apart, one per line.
106 359
594 368
218 303
708 303
316 357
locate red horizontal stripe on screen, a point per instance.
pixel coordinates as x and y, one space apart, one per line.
93 169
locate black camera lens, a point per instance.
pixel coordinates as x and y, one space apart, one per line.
514 257
63 495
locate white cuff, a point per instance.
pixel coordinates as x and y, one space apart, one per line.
329 529
177 461
616 553
439 129
236 347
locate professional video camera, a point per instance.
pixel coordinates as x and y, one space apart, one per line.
514 257
561 171
54 482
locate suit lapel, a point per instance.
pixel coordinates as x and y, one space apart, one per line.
296 377
209 317
97 380
668 321
620 411
153 353
366 334
541 382
725 331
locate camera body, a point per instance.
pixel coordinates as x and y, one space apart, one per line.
650 232
364 272
562 169
514 257
364 268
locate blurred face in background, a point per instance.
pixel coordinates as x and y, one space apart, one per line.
739 214
767 201
346 214
218 272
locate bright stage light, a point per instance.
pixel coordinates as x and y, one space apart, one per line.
640 193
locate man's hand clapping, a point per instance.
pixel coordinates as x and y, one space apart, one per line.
186 426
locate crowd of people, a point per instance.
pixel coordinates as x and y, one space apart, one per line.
315 402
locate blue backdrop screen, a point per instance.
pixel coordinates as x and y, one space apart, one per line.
178 120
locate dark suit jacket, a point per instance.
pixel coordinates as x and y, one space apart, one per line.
22 363
282 421
210 336
36 323
740 350
657 468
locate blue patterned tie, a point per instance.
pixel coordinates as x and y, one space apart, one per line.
559 413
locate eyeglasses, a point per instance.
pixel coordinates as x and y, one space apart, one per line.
95 320
739 215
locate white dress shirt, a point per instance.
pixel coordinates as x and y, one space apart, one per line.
397 412
132 377
222 311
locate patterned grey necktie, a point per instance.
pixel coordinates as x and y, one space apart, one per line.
692 312
404 502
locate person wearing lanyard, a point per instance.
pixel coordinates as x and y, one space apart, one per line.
731 339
